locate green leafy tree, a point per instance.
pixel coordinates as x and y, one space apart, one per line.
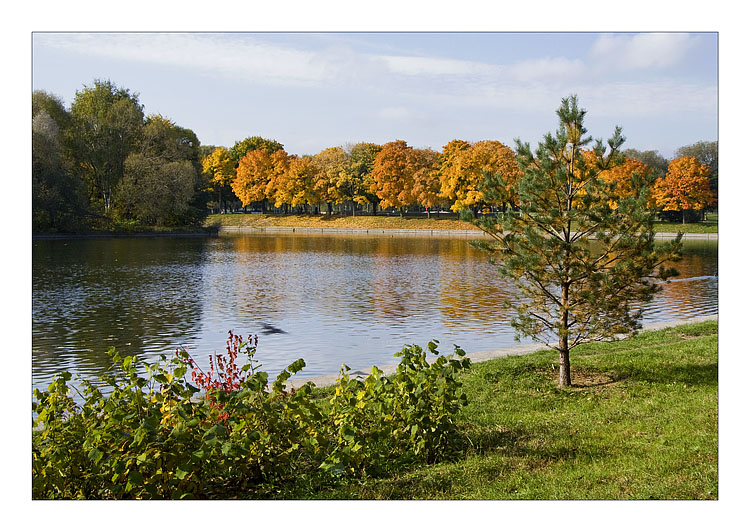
243 147
58 197
652 158
160 178
581 265
361 162
106 124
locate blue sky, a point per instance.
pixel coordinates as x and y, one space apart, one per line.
311 91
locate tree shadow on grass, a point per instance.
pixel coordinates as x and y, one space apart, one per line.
692 374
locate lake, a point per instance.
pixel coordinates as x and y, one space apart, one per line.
327 298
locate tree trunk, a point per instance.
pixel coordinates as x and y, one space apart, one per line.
563 340
564 363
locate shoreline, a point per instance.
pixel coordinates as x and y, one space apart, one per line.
237 229
482 356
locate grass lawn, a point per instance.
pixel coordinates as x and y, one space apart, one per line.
711 225
640 422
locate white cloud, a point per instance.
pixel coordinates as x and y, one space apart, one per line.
557 68
245 58
435 66
641 51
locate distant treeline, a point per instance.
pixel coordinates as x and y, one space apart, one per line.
103 164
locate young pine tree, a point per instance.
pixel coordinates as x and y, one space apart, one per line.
583 257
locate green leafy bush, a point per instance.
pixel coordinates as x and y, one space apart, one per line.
405 418
153 435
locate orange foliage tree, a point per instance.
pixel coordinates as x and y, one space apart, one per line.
628 176
686 186
393 175
426 179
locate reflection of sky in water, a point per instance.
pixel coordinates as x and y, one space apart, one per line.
351 299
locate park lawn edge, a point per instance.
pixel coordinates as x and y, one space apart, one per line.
435 223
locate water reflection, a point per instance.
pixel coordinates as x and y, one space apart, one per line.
353 299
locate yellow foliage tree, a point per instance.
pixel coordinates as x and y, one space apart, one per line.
295 185
219 168
254 173
331 175
465 168
686 186
277 179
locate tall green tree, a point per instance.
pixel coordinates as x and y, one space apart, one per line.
582 267
160 178
652 158
58 198
243 147
106 123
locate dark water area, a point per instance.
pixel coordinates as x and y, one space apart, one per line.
330 299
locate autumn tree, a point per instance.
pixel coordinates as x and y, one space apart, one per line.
393 175
254 173
686 186
465 167
220 171
331 182
707 153
621 175
427 179
295 185
582 268
276 180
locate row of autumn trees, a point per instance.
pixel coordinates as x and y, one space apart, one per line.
476 176
103 162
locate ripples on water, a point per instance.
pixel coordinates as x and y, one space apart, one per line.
351 299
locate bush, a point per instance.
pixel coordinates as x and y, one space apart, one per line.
153 435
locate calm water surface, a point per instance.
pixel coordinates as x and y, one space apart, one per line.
353 299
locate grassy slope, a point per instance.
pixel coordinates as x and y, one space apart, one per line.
641 422
396 222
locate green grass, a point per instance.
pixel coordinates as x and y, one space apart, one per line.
711 225
640 422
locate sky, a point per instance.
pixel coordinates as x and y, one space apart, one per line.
314 90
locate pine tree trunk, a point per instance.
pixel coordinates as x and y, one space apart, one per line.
564 363
563 340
